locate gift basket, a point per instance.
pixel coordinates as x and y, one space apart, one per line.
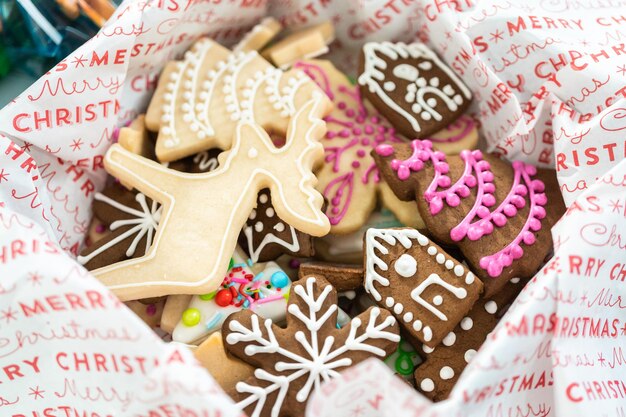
333 208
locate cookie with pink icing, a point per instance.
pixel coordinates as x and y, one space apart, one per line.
349 178
498 214
443 365
426 289
411 87
262 288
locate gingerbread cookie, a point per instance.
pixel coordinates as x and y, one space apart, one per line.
97 230
259 36
132 219
200 100
225 369
341 277
265 236
493 211
427 290
150 313
410 86
294 360
202 214
457 136
349 178
306 43
444 364
264 292
404 361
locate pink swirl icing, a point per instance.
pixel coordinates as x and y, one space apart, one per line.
357 131
481 219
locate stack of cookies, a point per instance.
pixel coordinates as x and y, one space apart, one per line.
287 223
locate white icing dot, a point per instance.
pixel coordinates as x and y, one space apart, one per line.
389 86
389 301
408 317
427 349
406 72
467 323
514 280
258 226
422 240
491 307
425 115
432 102
469 279
416 108
437 300
428 334
427 385
263 198
446 373
449 264
279 227
252 215
405 266
398 308
469 355
449 339
459 270
252 152
417 325
440 258
432 251
269 212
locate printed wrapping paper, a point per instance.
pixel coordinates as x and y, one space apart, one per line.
549 81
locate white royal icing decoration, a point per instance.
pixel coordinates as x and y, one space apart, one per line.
491 307
435 279
373 77
318 361
446 373
469 355
427 385
406 265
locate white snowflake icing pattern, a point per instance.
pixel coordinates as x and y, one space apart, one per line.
323 359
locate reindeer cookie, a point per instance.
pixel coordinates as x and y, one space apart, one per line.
349 178
426 289
200 100
498 214
196 226
294 360
410 86
262 288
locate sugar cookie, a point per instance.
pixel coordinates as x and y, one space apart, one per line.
306 43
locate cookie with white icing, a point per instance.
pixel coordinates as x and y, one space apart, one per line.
266 236
457 136
411 87
131 218
263 288
294 360
444 364
426 289
205 161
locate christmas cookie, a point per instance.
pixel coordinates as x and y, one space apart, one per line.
404 361
132 219
136 138
349 178
202 229
341 277
225 369
150 313
303 44
443 365
457 136
264 292
205 161
411 87
427 290
498 214
259 36
265 236
200 100
294 360
173 310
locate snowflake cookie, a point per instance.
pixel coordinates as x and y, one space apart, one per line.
294 360
427 290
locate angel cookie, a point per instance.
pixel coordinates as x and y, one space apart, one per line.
202 214
498 214
349 178
411 87
294 360
200 100
426 289
264 292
